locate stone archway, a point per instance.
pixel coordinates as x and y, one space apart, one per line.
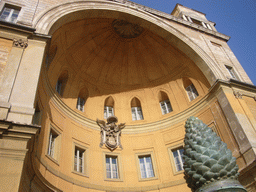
50 20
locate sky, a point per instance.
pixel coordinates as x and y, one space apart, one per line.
235 18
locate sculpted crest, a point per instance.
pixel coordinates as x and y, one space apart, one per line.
110 132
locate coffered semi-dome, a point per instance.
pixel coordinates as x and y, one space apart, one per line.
115 55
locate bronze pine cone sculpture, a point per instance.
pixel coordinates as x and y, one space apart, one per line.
207 158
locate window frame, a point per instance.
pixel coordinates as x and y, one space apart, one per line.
57 144
209 26
119 167
13 9
79 104
166 106
187 18
106 108
85 161
136 114
232 73
153 162
172 158
192 93
198 22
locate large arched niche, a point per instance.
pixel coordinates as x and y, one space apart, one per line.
49 21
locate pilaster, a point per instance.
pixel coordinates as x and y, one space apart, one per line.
14 140
9 75
24 88
240 120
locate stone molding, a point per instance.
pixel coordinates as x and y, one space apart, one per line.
101 187
49 20
9 129
161 14
130 129
142 128
172 18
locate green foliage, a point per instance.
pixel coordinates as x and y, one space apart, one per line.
207 158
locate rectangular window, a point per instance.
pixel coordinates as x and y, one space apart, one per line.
52 144
137 113
146 167
184 17
199 22
187 18
10 14
165 107
232 72
178 160
53 150
209 26
204 25
79 160
112 167
80 104
192 92
108 111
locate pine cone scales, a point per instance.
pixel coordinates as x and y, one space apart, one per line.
207 158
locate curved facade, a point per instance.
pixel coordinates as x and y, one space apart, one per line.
77 61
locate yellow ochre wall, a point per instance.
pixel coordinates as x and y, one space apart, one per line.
81 40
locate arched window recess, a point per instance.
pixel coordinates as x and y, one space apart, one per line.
61 82
190 89
165 103
136 109
109 107
81 99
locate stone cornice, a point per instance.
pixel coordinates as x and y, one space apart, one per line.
173 18
17 131
180 117
16 27
84 184
239 88
44 27
154 126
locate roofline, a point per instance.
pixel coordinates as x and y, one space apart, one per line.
187 8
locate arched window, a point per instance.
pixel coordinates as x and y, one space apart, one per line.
190 89
136 109
61 83
164 102
109 107
81 99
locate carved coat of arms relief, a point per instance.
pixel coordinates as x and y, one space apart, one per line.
110 132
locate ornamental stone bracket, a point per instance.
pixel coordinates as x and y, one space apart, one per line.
110 132
20 43
238 94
